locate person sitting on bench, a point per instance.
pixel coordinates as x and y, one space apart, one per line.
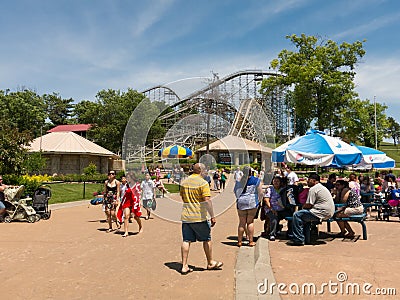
353 206
319 206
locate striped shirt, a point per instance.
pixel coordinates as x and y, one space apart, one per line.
193 191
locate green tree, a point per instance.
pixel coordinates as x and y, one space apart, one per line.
86 112
108 116
24 111
358 123
393 130
34 163
320 74
13 150
59 110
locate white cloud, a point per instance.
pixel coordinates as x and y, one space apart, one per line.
380 77
146 18
370 26
265 12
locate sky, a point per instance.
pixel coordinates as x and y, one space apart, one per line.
77 48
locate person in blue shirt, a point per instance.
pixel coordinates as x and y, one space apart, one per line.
248 193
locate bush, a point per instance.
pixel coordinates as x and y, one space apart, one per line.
227 168
31 183
90 170
120 174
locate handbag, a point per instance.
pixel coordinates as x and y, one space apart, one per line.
257 212
263 215
152 204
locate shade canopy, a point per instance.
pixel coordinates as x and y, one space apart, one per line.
175 151
317 149
373 158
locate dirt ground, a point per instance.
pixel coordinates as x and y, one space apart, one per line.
70 256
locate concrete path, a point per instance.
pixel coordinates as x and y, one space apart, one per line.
70 256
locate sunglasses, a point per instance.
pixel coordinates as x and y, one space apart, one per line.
111 173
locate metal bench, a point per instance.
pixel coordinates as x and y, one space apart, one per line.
307 229
355 218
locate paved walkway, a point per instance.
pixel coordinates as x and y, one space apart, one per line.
71 256
356 261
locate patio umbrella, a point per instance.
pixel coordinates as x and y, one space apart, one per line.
373 158
317 149
175 151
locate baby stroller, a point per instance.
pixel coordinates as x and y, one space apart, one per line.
16 208
40 202
390 204
394 202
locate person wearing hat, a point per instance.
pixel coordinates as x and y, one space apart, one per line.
319 206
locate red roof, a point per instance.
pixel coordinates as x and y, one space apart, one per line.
73 128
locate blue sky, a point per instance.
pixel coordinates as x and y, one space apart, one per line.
79 47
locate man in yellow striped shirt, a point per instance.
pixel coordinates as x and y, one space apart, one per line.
195 193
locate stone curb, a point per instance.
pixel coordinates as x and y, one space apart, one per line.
69 204
253 267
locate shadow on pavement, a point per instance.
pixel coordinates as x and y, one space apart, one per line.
177 266
99 221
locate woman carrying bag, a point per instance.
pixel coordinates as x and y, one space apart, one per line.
249 194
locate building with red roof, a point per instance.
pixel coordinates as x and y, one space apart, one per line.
79 129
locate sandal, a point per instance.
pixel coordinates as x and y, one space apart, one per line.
125 234
216 266
187 271
109 230
239 244
252 244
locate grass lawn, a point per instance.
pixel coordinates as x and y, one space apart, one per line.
391 151
67 192
172 188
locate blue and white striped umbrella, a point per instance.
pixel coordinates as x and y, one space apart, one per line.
317 149
375 159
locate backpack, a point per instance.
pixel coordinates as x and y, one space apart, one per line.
215 176
290 195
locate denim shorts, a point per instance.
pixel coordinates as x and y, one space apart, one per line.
2 206
199 231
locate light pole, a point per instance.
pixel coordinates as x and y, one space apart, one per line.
376 132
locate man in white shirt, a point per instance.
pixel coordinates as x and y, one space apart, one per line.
291 176
238 174
148 194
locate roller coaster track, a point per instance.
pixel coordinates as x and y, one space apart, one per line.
233 101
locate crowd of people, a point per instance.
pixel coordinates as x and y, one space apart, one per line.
122 200
284 197
287 197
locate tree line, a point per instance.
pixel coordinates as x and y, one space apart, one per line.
27 115
318 77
